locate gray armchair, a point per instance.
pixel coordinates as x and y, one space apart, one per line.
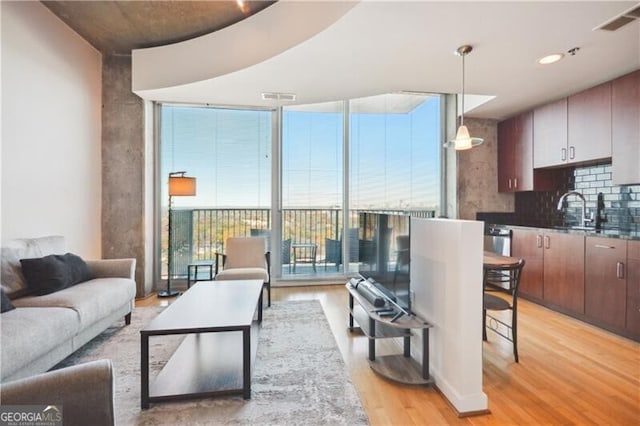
85 392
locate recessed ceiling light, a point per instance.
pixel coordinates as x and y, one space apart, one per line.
550 59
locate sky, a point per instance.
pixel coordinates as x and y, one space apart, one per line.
394 157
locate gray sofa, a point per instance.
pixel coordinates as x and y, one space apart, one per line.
43 330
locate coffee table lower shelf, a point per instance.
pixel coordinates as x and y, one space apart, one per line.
205 364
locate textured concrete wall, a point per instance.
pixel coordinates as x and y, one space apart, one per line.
478 174
123 166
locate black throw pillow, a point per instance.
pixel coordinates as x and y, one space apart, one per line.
47 274
55 272
6 303
78 268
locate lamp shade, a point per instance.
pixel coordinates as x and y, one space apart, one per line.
464 141
181 185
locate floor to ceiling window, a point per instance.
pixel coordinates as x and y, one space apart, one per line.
228 151
337 159
312 187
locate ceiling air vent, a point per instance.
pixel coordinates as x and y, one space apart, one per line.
278 97
620 20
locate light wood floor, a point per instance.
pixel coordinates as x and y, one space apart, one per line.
569 373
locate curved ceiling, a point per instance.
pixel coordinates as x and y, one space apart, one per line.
117 27
381 47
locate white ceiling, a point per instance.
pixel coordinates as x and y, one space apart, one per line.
390 46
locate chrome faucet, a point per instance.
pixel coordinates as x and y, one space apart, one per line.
584 219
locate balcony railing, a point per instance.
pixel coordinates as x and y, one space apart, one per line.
198 234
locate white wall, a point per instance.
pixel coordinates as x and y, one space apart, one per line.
446 276
51 130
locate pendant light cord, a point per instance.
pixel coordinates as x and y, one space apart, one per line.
462 102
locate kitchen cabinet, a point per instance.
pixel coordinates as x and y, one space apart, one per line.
633 288
515 152
527 245
550 134
564 271
625 129
606 281
515 157
589 124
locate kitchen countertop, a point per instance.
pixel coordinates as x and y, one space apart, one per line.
606 233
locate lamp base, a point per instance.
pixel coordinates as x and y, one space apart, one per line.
168 293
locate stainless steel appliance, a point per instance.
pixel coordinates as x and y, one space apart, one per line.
498 240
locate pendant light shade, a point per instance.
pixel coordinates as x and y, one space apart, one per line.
463 140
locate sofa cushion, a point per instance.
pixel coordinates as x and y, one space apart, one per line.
243 274
6 305
92 300
13 282
29 333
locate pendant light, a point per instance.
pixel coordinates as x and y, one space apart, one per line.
463 140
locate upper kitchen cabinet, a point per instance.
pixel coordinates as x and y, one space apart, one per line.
550 134
515 169
589 124
515 157
625 129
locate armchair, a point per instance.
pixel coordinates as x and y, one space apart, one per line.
246 258
84 391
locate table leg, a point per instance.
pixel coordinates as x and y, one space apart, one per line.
350 312
372 342
407 346
144 370
246 363
425 353
260 301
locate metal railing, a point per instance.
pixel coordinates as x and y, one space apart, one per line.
198 234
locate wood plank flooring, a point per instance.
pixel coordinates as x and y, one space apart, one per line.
570 373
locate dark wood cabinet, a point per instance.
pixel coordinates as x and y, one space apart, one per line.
515 157
606 281
527 245
633 288
550 134
508 136
589 124
564 271
515 154
625 129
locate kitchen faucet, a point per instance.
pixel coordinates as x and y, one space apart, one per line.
584 218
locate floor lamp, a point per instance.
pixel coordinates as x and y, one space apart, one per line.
179 185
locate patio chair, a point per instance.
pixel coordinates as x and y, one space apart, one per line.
285 254
246 258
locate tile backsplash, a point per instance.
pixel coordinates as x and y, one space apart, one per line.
539 209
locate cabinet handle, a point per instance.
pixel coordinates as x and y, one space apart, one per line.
572 152
547 242
620 270
539 241
564 154
509 183
515 183
603 246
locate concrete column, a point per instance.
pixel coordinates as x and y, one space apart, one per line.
478 173
123 168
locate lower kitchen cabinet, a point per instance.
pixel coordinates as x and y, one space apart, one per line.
633 288
594 279
606 281
564 272
527 245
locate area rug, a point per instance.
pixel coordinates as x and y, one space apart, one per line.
299 376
